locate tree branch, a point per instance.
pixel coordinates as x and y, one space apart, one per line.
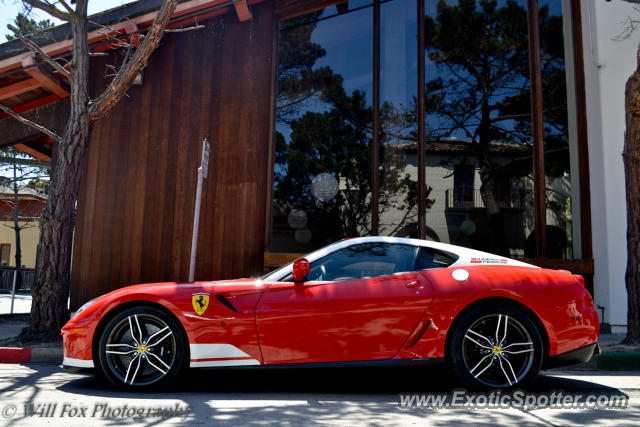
50 9
122 81
37 50
28 122
66 6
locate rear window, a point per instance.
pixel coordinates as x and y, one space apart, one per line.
432 258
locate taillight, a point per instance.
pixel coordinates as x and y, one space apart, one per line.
580 279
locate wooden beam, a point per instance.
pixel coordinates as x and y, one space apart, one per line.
242 10
583 134
375 140
537 125
38 155
25 162
46 79
132 29
18 88
32 104
421 111
44 139
99 34
302 8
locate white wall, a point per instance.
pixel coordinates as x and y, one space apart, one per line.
608 64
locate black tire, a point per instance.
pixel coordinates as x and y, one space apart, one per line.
484 355
139 357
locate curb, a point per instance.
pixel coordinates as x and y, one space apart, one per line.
610 361
31 355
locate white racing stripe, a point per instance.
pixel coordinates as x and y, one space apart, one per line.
201 355
215 363
215 351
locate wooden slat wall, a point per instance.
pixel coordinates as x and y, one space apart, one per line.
136 201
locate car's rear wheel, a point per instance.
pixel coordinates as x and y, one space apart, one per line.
141 347
496 346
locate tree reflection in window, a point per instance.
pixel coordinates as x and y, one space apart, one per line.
479 107
324 133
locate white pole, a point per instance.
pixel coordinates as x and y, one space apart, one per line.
196 224
13 290
202 174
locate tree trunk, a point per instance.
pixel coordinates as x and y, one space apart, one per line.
50 291
631 159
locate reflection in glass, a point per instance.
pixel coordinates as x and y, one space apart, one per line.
323 127
398 195
478 125
556 133
363 261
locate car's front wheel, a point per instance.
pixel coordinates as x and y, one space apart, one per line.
496 346
140 347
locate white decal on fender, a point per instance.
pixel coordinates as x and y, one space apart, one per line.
205 355
215 351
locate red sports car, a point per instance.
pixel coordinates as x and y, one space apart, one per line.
495 321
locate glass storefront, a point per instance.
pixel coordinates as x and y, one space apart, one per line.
478 125
322 170
478 188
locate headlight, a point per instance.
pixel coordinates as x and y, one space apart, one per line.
84 306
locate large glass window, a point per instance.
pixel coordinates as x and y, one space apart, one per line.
478 156
478 125
322 180
398 195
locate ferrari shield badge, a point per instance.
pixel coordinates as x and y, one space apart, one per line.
200 302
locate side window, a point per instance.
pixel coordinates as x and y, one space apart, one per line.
432 258
365 260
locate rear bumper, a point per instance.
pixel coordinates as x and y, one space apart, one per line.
579 355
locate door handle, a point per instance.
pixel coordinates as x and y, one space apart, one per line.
414 285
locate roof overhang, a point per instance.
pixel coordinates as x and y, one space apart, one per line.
26 83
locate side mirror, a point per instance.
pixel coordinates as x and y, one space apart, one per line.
300 269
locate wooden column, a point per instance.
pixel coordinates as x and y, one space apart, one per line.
422 196
375 143
537 130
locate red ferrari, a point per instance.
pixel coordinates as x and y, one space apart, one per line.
495 321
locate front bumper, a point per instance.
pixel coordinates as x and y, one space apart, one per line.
77 365
579 355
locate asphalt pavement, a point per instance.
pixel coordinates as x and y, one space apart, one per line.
48 395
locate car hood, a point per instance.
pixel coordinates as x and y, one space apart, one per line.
168 294
236 285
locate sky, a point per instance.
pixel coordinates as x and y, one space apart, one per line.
10 8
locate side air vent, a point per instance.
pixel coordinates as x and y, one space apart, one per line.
226 303
419 335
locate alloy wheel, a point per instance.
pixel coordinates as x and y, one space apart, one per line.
140 349
497 350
